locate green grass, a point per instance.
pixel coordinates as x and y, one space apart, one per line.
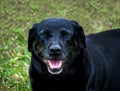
18 16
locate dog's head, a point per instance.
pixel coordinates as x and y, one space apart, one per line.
55 42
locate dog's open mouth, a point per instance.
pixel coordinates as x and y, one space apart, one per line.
54 66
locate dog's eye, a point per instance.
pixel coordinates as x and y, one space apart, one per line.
46 33
64 33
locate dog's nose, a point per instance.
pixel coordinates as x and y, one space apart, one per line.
55 49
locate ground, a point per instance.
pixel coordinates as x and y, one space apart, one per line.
17 16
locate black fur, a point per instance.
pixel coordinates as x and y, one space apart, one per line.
90 62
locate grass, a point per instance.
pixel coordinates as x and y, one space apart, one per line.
17 16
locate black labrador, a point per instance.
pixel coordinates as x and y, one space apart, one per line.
64 58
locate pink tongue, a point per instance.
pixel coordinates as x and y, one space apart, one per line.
55 63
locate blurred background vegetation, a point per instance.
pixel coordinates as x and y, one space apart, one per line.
18 16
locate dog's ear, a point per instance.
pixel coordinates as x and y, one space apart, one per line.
79 33
31 36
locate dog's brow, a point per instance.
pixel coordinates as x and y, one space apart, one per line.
66 30
42 31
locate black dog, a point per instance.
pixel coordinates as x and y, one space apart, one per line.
64 58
